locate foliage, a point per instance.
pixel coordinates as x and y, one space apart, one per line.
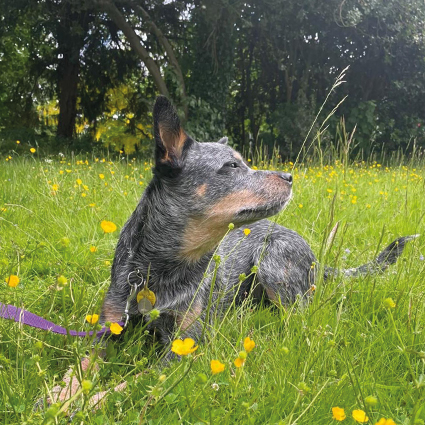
256 71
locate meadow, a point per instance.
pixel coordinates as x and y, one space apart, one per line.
358 345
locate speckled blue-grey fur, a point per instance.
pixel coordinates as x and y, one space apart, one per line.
202 187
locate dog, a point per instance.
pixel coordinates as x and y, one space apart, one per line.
177 243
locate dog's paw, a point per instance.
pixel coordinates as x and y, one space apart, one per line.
98 399
60 393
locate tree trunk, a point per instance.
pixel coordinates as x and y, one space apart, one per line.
68 71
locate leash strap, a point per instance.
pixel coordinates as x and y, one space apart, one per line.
25 317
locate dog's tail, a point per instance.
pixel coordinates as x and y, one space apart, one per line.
387 257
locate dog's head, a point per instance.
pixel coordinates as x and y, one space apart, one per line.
211 182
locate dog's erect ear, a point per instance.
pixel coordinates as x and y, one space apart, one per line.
170 137
223 141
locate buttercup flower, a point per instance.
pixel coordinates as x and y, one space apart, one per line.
338 413
108 226
101 176
93 318
185 347
248 344
384 421
217 367
116 328
12 281
360 416
32 150
240 361
93 249
247 232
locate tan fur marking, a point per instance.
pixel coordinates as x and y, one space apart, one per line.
203 234
200 190
271 294
98 399
172 142
72 382
186 320
238 156
111 312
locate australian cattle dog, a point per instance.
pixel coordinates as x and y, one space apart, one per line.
177 242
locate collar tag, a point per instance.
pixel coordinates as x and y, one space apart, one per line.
146 300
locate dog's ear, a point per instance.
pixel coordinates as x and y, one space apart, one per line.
170 137
223 141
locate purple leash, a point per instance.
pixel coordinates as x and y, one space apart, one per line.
27 318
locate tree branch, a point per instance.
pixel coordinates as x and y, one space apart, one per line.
117 17
168 50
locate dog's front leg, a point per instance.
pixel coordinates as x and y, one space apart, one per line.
184 321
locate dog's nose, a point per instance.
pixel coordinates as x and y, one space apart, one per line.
287 177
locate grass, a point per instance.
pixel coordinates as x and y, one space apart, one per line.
348 343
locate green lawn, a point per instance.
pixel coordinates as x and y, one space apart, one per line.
346 345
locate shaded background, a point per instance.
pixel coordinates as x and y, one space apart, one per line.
83 75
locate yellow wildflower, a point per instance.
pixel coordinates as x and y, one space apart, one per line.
32 150
338 413
18 142
12 281
185 347
360 416
115 328
384 421
79 182
101 176
217 367
93 318
93 249
108 226
247 232
240 361
248 344
55 187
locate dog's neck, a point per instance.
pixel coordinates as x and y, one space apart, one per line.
157 242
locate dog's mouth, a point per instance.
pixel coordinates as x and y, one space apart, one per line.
251 214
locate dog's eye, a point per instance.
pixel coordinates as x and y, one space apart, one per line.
231 164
